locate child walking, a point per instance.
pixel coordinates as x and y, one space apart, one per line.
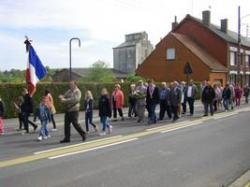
105 111
1 116
44 116
88 107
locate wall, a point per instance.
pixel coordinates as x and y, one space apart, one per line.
125 59
157 67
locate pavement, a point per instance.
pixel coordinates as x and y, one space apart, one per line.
11 125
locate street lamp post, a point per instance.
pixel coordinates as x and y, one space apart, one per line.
239 59
79 44
238 49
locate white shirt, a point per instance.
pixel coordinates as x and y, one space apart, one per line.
189 91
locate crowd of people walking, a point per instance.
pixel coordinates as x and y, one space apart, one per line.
172 99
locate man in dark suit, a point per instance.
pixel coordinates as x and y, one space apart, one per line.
175 99
208 95
152 99
164 101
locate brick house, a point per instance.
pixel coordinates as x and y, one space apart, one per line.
210 50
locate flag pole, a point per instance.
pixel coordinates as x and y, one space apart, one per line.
35 70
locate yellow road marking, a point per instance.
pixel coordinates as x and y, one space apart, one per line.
164 126
92 149
76 145
189 125
248 185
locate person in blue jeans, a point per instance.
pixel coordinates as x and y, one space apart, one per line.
226 95
152 99
104 106
88 107
44 116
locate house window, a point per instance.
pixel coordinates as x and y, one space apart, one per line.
170 54
248 60
241 58
233 59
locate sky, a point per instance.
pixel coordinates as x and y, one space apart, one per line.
100 24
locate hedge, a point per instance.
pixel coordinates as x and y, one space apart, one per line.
10 92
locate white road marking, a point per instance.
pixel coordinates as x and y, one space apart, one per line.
92 149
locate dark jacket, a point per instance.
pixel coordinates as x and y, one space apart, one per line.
175 96
132 99
27 105
155 96
88 105
246 91
208 95
104 106
226 94
1 109
193 91
166 97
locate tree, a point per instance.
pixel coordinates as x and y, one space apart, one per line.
134 78
99 72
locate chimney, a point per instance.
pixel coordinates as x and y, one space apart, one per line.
223 25
206 17
175 23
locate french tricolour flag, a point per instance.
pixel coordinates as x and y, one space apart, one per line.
35 70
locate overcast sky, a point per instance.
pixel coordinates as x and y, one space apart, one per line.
100 24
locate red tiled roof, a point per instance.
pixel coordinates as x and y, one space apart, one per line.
207 59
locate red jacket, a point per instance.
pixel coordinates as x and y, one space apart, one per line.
118 97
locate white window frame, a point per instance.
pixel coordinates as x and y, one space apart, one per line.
170 54
232 58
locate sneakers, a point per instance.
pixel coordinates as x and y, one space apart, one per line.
54 130
110 128
102 133
46 137
40 138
